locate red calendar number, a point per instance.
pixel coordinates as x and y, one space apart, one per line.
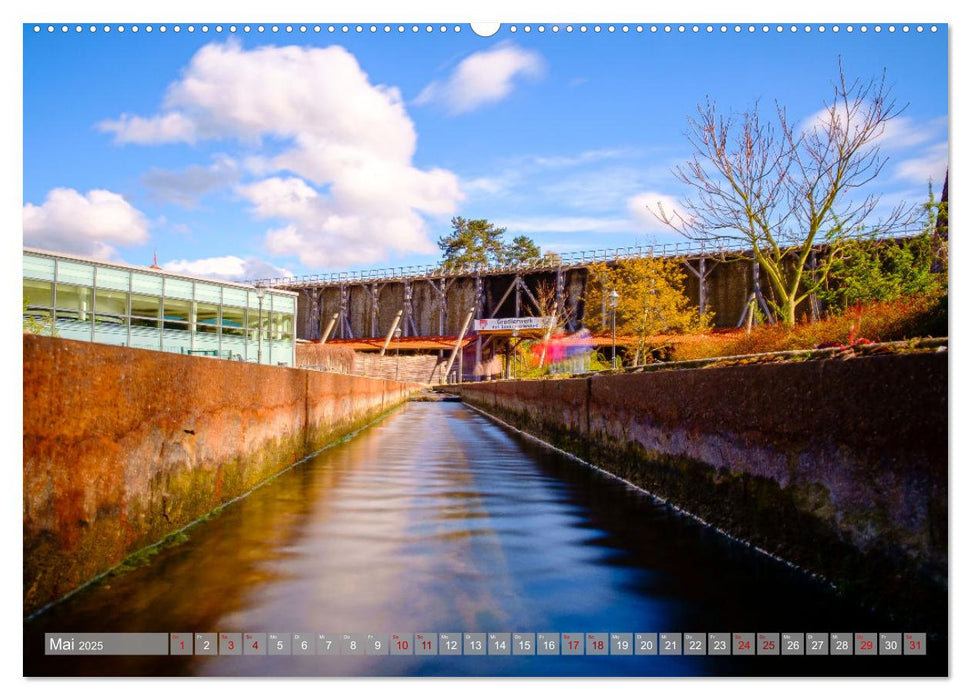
742 645
914 645
574 644
402 644
598 645
231 645
866 646
768 645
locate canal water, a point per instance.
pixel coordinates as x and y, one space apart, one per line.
437 519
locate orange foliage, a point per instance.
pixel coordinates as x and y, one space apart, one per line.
905 318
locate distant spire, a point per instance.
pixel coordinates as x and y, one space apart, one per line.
940 225
154 265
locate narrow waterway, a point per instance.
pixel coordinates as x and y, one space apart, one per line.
436 519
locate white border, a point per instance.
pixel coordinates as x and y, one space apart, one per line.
601 11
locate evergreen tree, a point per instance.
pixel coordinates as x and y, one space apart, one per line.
479 243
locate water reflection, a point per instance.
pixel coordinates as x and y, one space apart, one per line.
438 520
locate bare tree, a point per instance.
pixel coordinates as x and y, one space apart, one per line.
785 190
556 311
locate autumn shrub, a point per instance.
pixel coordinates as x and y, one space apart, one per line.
650 300
918 316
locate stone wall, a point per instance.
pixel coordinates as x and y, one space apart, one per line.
839 466
123 447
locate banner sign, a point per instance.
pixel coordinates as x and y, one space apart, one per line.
506 325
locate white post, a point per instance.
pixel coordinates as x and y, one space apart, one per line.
458 343
330 327
391 332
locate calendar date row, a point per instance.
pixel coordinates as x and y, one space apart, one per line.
490 644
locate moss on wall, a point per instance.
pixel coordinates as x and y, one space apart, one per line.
124 446
839 466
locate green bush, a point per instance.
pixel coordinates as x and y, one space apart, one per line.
871 270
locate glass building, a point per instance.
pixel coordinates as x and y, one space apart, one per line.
139 307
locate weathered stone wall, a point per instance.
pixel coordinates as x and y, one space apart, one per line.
837 465
124 446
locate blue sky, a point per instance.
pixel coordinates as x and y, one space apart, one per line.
247 154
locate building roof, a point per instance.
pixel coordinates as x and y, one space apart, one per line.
153 270
447 342
436 342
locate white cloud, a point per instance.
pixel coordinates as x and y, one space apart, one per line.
279 198
902 132
585 189
931 165
164 128
603 189
482 78
90 224
645 208
227 267
352 237
487 184
583 158
350 192
897 133
185 187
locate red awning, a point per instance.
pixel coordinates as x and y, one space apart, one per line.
432 342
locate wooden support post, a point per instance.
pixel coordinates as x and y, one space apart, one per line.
441 291
394 327
330 327
312 324
374 292
755 299
603 301
518 281
442 305
529 295
479 302
443 311
408 327
701 274
702 282
505 296
458 344
344 322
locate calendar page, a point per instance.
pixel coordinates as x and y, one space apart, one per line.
534 349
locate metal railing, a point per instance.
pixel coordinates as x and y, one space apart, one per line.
714 247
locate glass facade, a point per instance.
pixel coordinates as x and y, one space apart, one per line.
108 303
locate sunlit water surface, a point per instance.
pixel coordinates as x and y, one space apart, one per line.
437 519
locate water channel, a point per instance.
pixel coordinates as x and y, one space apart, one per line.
437 519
